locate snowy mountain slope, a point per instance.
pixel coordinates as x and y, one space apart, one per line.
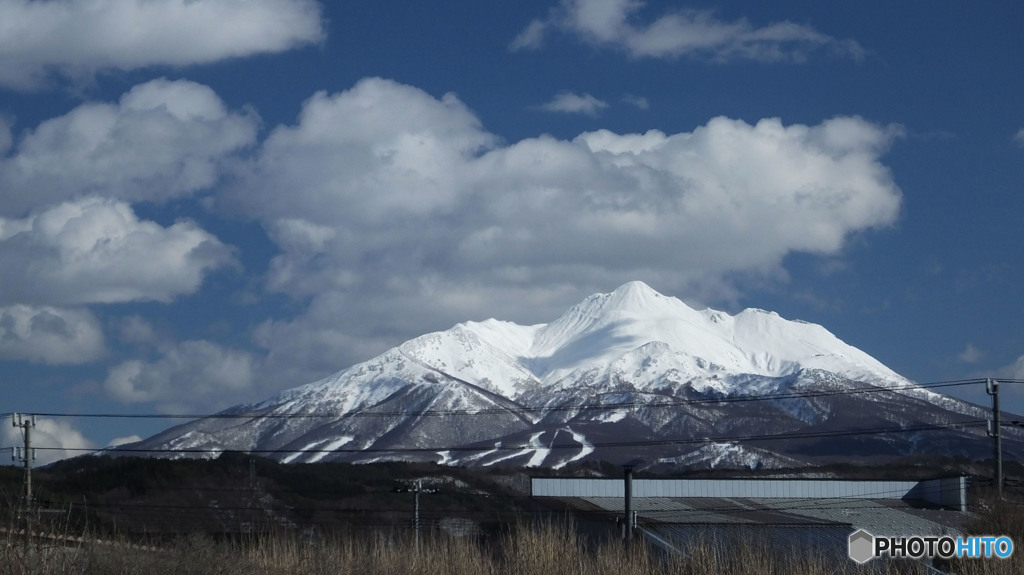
630 366
730 455
605 326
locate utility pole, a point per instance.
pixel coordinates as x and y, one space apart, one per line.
26 455
628 504
416 515
992 388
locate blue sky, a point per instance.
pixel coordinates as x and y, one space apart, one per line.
202 203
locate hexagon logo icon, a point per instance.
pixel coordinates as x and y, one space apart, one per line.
862 546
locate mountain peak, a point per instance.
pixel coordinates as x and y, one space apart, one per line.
608 324
632 298
635 292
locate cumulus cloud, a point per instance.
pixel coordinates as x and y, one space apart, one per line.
569 103
98 251
681 33
396 212
163 139
77 38
44 334
52 439
190 376
1019 138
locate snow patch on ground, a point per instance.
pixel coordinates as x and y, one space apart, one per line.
731 455
327 449
612 416
323 448
540 452
586 449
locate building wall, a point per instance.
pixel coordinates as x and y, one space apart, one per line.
948 492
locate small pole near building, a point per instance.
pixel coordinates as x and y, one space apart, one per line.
630 517
416 515
992 388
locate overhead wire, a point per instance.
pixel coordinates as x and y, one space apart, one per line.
528 447
330 516
478 447
370 412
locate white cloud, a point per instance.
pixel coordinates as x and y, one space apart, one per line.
162 140
98 251
681 33
970 354
49 335
377 152
77 38
638 102
136 330
569 103
1012 395
1013 371
6 138
403 215
532 37
52 439
1019 137
319 342
191 376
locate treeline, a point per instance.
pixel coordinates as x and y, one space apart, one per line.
238 493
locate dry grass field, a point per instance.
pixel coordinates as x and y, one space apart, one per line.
545 548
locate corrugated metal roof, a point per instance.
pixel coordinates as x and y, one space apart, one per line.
880 517
823 542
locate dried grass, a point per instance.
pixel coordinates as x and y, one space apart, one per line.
549 548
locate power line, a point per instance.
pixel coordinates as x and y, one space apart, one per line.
531 448
526 409
552 447
798 504
794 503
201 513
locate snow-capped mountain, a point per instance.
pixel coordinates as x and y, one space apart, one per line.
624 375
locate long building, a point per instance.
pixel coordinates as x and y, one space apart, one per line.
812 514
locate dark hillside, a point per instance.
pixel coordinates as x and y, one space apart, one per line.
238 493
